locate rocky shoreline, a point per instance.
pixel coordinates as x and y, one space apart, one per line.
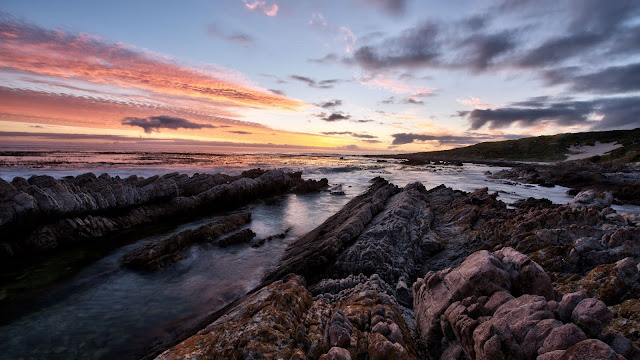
622 180
42 213
441 274
397 273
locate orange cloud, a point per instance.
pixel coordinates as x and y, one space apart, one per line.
56 53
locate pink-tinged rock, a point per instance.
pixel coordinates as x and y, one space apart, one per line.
592 315
561 338
528 277
337 353
568 303
591 349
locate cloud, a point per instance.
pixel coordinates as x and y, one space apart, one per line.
560 114
35 51
330 104
559 49
317 19
322 84
155 123
482 50
356 135
415 47
349 38
413 100
214 31
599 114
383 81
408 138
278 92
391 7
446 139
474 102
610 80
362 121
330 58
239 132
109 142
336 116
267 9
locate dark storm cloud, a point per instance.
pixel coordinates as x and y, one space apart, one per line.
614 113
322 84
356 135
214 31
610 80
391 7
155 123
330 104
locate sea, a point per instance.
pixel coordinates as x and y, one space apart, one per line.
104 311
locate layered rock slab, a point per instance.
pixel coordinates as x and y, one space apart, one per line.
43 213
162 252
310 254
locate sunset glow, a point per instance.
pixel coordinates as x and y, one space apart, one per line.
291 76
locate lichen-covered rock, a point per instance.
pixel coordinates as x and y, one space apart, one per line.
264 325
281 320
611 283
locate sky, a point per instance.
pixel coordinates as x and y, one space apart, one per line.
348 76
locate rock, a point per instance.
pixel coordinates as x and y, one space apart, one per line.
611 283
626 320
568 303
592 315
262 241
281 320
162 252
562 337
309 254
590 349
242 236
44 213
591 199
250 328
336 353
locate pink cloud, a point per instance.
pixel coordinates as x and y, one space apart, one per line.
349 38
475 103
267 9
382 81
91 59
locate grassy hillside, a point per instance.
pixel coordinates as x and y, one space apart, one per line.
541 148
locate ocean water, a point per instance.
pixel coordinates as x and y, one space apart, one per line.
105 311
